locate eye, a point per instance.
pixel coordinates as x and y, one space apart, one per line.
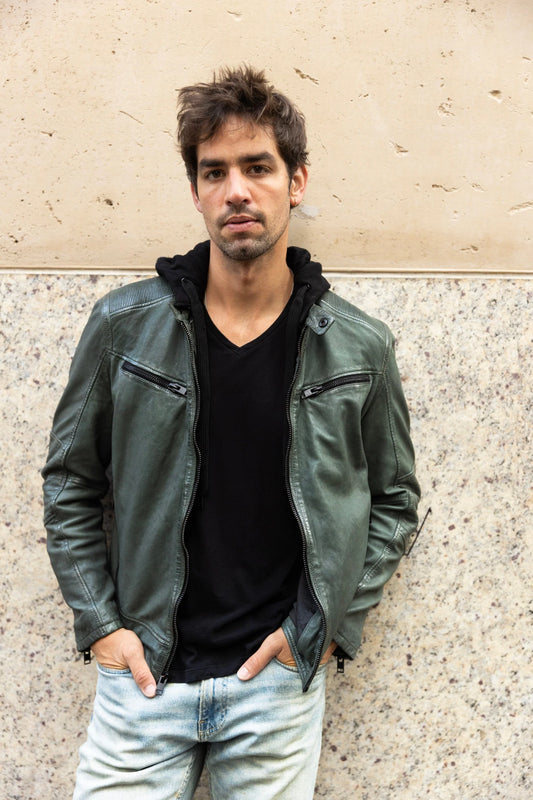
213 175
259 169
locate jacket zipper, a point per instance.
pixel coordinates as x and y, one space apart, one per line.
163 678
313 391
157 380
298 520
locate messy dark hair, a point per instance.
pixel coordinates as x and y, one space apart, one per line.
244 92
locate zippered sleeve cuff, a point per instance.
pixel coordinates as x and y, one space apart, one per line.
85 641
348 638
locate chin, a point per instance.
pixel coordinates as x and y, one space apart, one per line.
244 251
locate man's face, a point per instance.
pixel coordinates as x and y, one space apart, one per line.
244 191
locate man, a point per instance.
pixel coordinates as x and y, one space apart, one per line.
255 432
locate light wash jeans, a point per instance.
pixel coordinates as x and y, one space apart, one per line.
260 739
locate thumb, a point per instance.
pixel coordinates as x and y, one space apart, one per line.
269 649
141 673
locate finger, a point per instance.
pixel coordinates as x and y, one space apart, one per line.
133 654
258 660
141 674
272 646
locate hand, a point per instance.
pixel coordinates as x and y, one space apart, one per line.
123 649
329 652
274 646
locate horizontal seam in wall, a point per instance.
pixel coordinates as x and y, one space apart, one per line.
338 273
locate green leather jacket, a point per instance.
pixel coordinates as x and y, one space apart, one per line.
130 409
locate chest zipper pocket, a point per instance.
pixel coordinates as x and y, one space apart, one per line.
157 380
343 380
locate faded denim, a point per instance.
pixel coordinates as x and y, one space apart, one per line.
259 739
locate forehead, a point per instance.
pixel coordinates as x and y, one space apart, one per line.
238 136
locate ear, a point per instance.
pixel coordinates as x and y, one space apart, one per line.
196 199
298 185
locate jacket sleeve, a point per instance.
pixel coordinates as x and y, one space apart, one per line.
75 481
394 493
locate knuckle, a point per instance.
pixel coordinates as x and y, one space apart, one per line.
142 678
254 661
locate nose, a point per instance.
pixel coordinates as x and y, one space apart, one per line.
237 190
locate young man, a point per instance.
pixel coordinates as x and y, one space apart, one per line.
255 433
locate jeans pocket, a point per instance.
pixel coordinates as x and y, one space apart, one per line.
110 671
289 667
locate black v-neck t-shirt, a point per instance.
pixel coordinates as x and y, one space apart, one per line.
243 542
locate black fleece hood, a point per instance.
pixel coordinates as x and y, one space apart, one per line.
193 268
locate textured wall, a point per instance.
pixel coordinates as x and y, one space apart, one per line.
420 119
439 701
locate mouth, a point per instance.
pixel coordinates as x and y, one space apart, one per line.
240 223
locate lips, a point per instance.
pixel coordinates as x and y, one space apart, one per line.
240 222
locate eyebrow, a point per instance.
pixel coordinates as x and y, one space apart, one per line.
206 163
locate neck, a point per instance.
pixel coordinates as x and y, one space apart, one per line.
243 298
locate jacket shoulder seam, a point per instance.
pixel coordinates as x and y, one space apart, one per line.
140 294
133 306
355 314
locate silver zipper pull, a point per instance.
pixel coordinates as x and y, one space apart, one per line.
161 683
312 391
177 388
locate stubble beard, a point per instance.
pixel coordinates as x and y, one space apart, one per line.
245 248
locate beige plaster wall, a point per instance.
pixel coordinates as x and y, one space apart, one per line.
420 122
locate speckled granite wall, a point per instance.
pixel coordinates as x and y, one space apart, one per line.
439 700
